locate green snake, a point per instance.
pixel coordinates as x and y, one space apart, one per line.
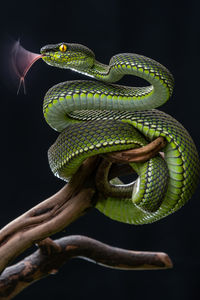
98 117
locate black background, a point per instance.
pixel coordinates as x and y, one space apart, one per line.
166 31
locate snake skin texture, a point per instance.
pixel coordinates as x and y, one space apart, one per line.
97 117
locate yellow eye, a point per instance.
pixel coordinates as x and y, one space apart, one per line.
63 48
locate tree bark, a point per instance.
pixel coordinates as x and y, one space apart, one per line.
55 213
54 254
49 216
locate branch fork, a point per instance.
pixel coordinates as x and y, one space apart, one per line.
55 213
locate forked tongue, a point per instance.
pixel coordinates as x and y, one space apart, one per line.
22 60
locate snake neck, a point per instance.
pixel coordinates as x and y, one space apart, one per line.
160 79
67 97
104 72
98 71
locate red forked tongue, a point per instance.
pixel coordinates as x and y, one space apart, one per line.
22 60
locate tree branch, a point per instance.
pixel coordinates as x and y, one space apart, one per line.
133 155
50 216
53 254
55 213
138 155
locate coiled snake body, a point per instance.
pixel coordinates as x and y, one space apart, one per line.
99 117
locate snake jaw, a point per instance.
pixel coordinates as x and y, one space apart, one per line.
47 58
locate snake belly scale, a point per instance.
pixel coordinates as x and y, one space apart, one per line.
98 116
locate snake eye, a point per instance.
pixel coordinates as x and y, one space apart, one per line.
63 48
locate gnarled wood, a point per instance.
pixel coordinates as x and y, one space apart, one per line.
50 216
58 211
138 155
53 254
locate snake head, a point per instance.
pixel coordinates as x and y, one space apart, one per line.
68 56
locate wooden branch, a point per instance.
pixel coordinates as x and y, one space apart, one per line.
50 216
58 211
134 155
53 254
138 155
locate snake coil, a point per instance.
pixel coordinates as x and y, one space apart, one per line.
98 116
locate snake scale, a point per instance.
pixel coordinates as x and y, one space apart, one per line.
98 116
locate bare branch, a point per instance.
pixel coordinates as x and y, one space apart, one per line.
48 217
53 254
58 211
134 155
138 155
